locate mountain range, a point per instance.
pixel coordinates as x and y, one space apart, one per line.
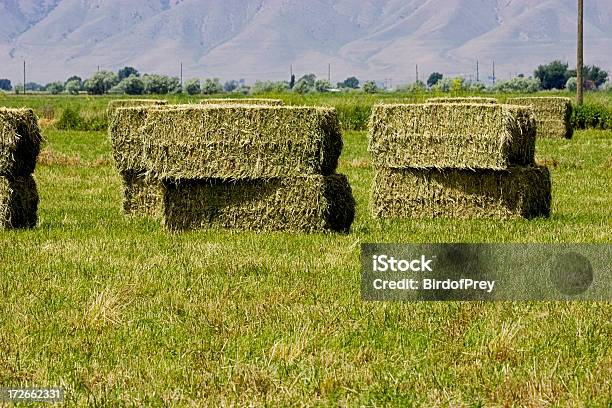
261 39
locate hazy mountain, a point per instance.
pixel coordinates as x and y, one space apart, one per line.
259 39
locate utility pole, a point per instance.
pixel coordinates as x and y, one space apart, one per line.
181 74
24 77
329 73
417 73
477 72
493 72
580 54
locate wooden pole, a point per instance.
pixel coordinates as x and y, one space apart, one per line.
580 55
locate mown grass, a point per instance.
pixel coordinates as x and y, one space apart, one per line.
121 313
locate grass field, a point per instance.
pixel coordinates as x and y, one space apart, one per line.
120 312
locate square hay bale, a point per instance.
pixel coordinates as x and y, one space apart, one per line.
124 132
306 204
553 115
441 135
243 101
468 100
142 195
517 192
20 141
226 141
130 103
18 202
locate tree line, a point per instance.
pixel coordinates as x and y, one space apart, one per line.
128 80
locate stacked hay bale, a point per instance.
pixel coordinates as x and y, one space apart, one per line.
20 140
468 99
141 195
245 167
553 115
456 160
248 101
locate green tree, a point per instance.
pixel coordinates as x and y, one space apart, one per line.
230 86
77 79
127 72
309 79
351 82
157 84
302 87
101 82
55 88
553 75
592 73
322 85
370 87
5 84
132 85
192 86
212 86
73 87
433 79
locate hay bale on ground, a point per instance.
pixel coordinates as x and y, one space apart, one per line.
18 202
307 204
226 141
553 115
243 101
518 192
142 195
451 135
20 141
468 100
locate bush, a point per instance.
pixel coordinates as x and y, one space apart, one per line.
192 86
591 116
571 84
607 86
443 85
353 116
131 85
518 85
370 87
55 88
212 86
269 87
71 120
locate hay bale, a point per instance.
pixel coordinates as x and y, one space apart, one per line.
20 141
18 202
243 101
142 195
307 204
468 100
226 141
451 135
517 192
129 103
553 115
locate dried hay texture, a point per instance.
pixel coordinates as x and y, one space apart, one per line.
468 100
469 136
226 141
18 202
142 195
130 103
305 204
518 192
243 101
553 115
20 141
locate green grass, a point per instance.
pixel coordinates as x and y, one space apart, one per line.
119 312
